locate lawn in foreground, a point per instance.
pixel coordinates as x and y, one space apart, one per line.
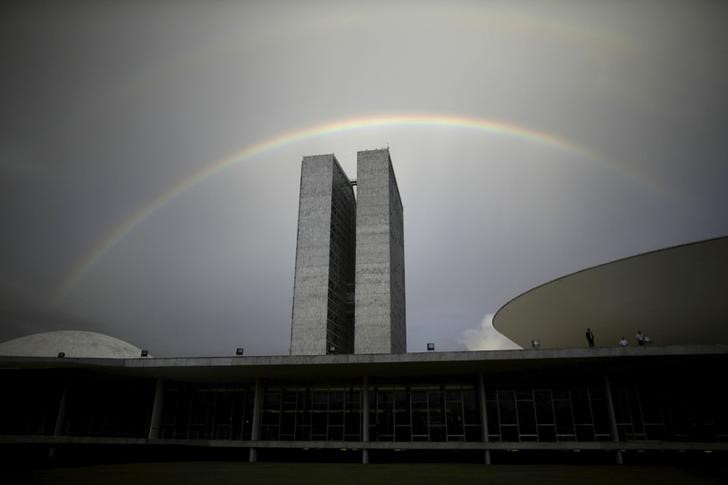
214 473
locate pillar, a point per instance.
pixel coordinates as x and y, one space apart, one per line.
612 416
156 421
257 412
365 419
59 429
483 415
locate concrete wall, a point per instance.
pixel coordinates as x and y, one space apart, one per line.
324 259
311 280
379 296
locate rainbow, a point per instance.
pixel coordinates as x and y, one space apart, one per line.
491 127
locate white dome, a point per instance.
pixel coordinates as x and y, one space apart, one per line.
74 343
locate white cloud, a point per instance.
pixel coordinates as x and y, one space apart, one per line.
485 337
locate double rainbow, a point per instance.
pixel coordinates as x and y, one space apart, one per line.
491 127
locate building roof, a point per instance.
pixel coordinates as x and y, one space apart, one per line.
351 367
676 296
73 343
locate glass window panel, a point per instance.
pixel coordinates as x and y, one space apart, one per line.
621 406
544 407
352 423
303 417
507 407
303 399
320 400
454 418
437 412
437 433
384 397
271 400
336 418
655 432
419 396
288 423
353 400
546 433
601 416
318 424
651 406
269 432
634 406
402 433
470 407
271 417
584 432
526 417
493 421
303 433
336 400
434 399
401 400
509 433
473 433
373 432
289 397
564 421
336 433
419 423
582 412
419 407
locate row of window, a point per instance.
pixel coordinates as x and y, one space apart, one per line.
545 413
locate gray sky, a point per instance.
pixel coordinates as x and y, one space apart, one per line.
597 131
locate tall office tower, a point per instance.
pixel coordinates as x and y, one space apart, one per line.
380 321
323 314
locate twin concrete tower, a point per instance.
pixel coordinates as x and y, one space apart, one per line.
348 292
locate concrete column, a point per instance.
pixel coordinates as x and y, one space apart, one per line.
60 426
612 416
156 421
365 419
483 415
257 412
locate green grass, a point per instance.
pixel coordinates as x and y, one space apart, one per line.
215 473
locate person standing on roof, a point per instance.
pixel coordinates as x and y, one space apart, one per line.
590 337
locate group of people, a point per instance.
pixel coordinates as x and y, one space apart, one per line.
623 342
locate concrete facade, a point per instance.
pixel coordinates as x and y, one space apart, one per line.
322 319
380 320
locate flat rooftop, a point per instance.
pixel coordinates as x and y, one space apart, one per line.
353 366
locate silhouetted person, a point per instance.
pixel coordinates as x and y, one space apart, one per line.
623 342
640 338
590 337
